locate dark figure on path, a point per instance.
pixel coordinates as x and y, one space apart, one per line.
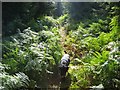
65 80
64 63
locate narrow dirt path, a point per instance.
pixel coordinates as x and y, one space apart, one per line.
62 33
70 48
57 80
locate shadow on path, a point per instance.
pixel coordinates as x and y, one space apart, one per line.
65 82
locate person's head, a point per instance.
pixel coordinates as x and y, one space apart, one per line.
65 52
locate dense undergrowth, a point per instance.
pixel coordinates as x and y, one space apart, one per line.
31 58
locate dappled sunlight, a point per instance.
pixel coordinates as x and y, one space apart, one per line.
37 37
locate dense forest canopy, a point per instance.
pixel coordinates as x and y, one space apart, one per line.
36 34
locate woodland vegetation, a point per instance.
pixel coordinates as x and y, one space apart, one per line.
35 36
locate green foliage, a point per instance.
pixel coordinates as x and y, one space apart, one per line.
100 26
63 19
97 68
34 52
91 38
12 82
99 43
114 26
